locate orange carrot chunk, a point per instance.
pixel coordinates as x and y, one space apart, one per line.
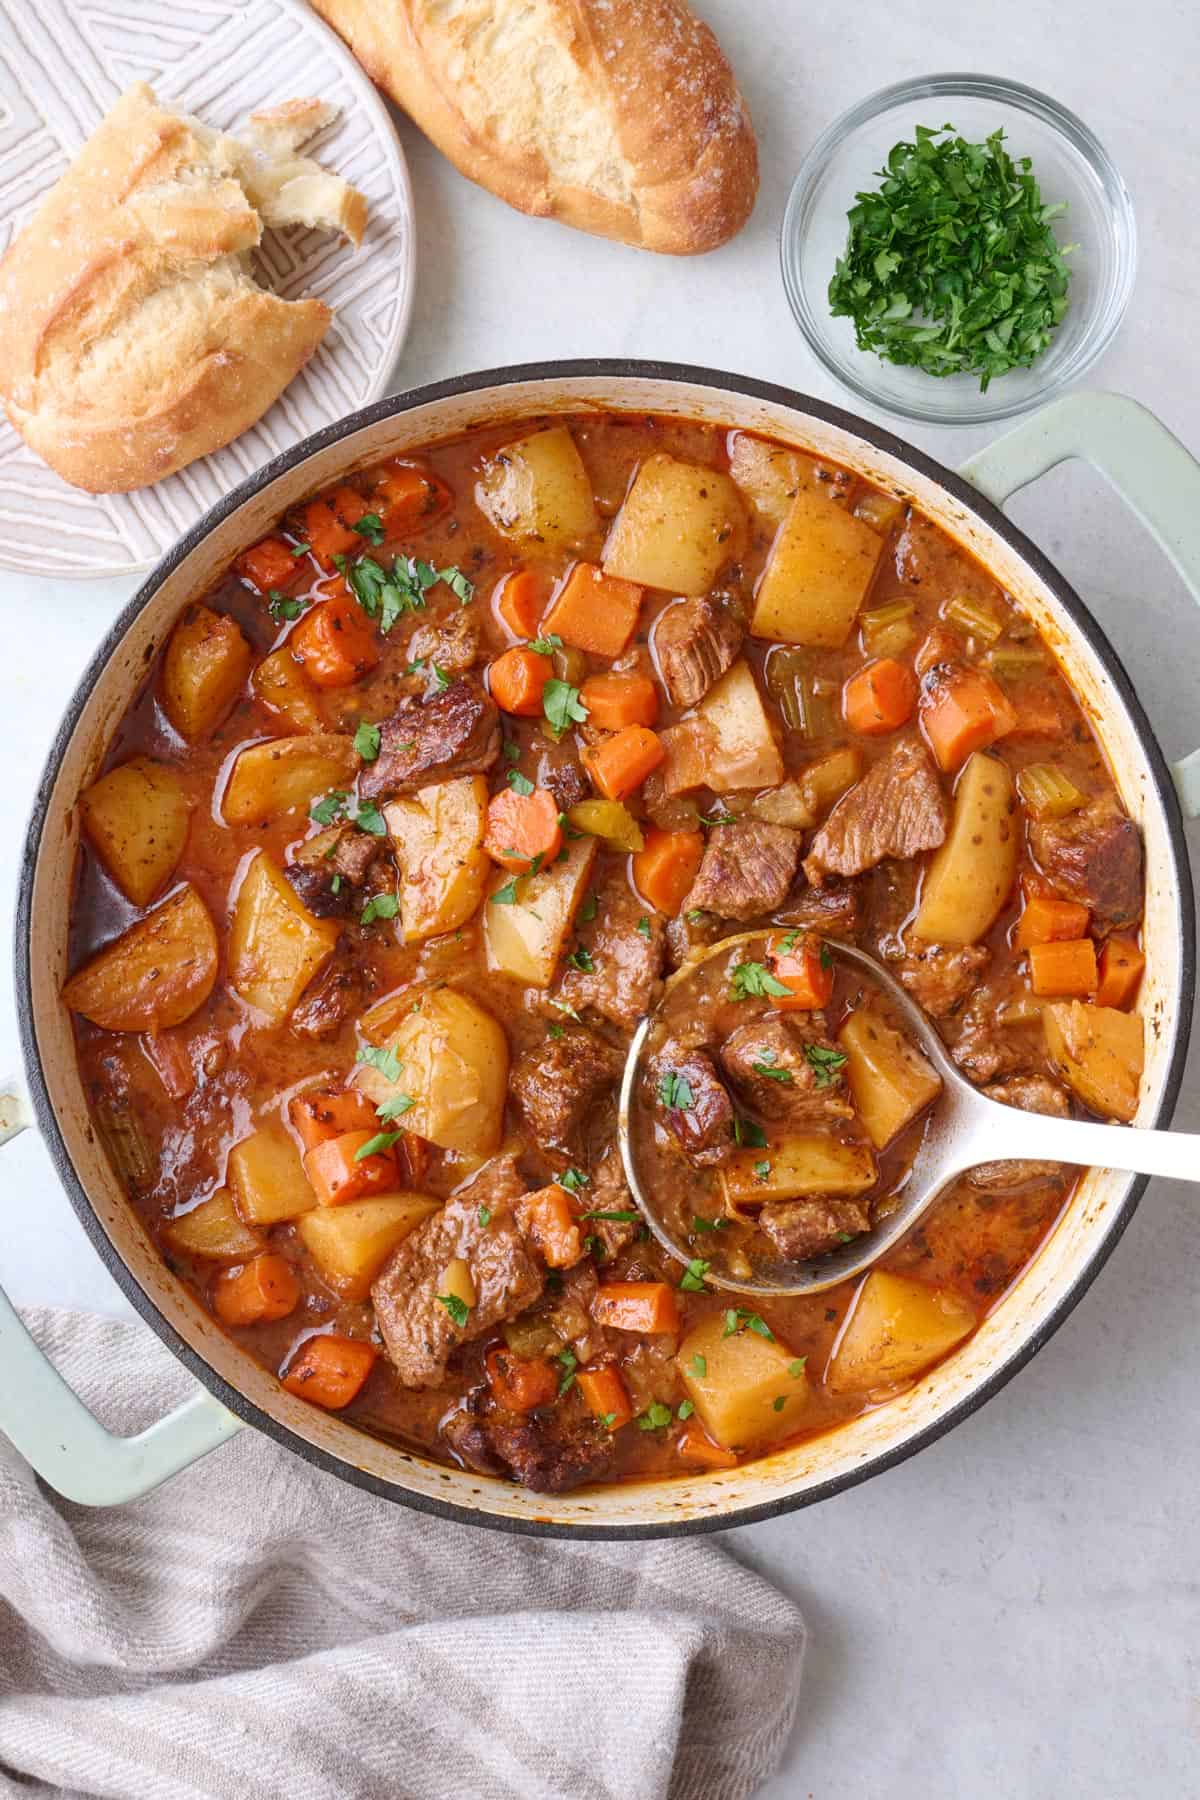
266 1288
637 1306
594 611
517 681
268 564
1047 920
1064 968
327 534
693 1446
335 643
665 868
523 829
963 711
548 1218
621 763
329 1370
1121 966
605 1395
805 968
614 700
518 602
338 1173
321 1116
406 495
519 1383
880 698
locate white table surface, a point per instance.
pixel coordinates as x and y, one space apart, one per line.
1012 1613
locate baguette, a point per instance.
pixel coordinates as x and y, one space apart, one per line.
132 337
621 117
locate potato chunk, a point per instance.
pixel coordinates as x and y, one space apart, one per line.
743 752
890 1081
137 818
896 1328
679 525
821 565
214 1230
276 946
799 1165
268 1178
280 683
769 475
525 938
204 671
736 1384
1100 1052
536 491
455 1071
971 876
438 836
351 1243
156 974
285 774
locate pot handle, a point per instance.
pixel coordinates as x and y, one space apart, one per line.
1154 474
54 1431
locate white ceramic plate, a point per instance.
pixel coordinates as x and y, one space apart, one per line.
62 65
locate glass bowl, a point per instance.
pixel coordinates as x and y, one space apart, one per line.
1069 163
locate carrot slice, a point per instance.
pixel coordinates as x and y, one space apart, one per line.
594 611
523 829
606 1396
1048 920
338 1173
614 700
519 1383
335 643
329 1370
880 698
327 531
268 564
963 710
518 602
637 1306
694 1446
321 1116
265 1288
548 1218
1121 966
517 681
406 495
805 968
665 868
621 763
1064 968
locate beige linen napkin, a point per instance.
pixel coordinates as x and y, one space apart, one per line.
258 1629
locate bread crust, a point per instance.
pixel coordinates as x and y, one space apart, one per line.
621 117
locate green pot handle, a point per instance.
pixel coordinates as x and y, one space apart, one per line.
1149 469
54 1431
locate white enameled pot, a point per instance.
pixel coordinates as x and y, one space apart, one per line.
66 1445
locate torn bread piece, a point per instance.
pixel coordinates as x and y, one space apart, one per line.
133 337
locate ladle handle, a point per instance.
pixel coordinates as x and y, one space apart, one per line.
1175 1154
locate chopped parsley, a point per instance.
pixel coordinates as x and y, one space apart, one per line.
589 909
506 895
762 1170
545 645
643 925
770 1068
485 1216
826 1064
511 751
375 1146
520 784
379 906
582 959
615 1218
745 1131
386 1061
441 677
395 1108
332 806
696 916
826 957
796 1368
699 1366
655 1417
752 980
721 818
366 741
700 1223
738 1319
370 526
556 1031
458 1309
569 1362
675 1092
779 1402
562 706
283 606
386 597
573 1180
692 1279
608 1420
788 941
301 549
685 1410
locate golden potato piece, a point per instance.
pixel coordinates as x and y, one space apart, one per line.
769 475
679 524
214 1230
153 976
743 752
896 1328
438 837
971 876
281 684
748 1390
799 1165
821 565
536 490
525 939
1101 1053
890 1081
137 818
204 671
351 1243
276 946
286 774
454 1058
268 1178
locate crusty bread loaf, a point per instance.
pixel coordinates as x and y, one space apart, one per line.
132 337
619 116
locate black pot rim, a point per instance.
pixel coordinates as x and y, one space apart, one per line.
743 386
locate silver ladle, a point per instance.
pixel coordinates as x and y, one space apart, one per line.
963 1129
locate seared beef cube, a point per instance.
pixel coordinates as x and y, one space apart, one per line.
1032 1093
467 1434
549 1453
803 1228
624 963
451 645
985 1047
329 870
334 996
746 870
419 1333
1094 857
687 934
897 809
770 1064
565 779
556 1084
609 1194
832 910
942 977
454 732
693 1100
695 641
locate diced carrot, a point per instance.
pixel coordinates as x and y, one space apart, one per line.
166 1052
637 1306
327 533
605 1394
614 700
1121 966
335 643
265 1288
1064 968
694 1446
547 1216
269 564
805 968
517 680
1048 920
518 602
594 611
407 495
350 506
621 763
321 1116
880 698
519 1383
523 829
963 710
329 1370
665 868
338 1173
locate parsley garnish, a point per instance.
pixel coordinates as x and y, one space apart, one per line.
770 1068
366 741
589 909
386 1061
616 1218
608 1420
520 784
686 1409
745 1131
512 751
386 597
796 1369
545 646
370 526
675 1092
824 1063
331 807
375 1146
655 1417
573 1180
696 916
702 1224
282 606
556 1031
643 925
441 677
699 1365
395 1108
368 818
562 705
569 1362
826 958
485 1216
692 1279
582 959
738 1319
788 941
724 818
506 895
301 549
752 980
458 1309
762 1170
379 906
779 1402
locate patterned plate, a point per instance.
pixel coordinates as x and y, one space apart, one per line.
62 65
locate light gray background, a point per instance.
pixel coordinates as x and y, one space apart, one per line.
1013 1613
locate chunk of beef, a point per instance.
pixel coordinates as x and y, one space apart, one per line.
692 1099
1094 857
985 1048
746 870
626 964
803 1228
332 998
695 641
419 1334
769 1065
1032 1093
465 1431
452 644
454 732
556 1084
568 1312
565 779
686 935
833 910
330 870
941 977
610 1194
897 809
549 1451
